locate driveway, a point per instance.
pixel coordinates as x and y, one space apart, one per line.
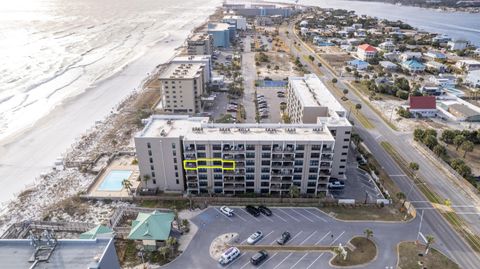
308 226
249 74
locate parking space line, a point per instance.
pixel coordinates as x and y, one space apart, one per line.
296 236
283 260
318 217
245 265
218 210
321 212
267 217
323 238
238 215
296 212
249 214
331 244
308 237
297 220
274 254
280 217
309 253
237 259
265 236
299 260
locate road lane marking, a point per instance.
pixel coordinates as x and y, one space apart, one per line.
218 210
255 218
283 260
295 219
318 217
296 212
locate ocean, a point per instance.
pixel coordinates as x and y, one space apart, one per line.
52 50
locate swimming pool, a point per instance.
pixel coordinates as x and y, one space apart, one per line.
113 181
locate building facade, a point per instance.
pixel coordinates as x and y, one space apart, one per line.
366 52
182 86
309 101
206 60
221 34
200 44
181 153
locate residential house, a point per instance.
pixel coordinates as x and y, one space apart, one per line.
303 30
388 66
473 79
384 81
411 56
387 46
303 24
457 44
464 113
441 39
151 228
431 89
360 33
444 81
392 56
413 66
423 106
100 231
358 64
366 52
468 65
434 55
436 66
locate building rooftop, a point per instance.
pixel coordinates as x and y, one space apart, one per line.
218 26
69 253
198 128
367 47
422 102
182 71
463 109
152 226
199 37
313 93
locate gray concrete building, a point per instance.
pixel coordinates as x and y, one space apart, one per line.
309 101
182 86
181 153
200 44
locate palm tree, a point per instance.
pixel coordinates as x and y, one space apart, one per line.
294 191
368 233
127 185
358 107
401 196
170 243
414 167
146 178
164 251
430 241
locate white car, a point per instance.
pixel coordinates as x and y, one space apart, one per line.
254 237
227 211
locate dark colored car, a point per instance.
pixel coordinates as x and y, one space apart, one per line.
259 257
265 210
252 210
284 238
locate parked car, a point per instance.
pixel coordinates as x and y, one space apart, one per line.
252 210
259 257
254 237
228 256
227 211
265 210
337 184
284 238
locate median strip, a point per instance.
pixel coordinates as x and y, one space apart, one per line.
285 248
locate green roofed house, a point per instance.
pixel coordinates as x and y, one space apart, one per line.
99 230
151 228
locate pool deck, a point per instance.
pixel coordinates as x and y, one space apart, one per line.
123 163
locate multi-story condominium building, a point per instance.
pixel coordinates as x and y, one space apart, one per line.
203 59
309 101
182 86
181 153
222 33
200 44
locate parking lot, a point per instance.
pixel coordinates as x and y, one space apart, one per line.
307 226
273 103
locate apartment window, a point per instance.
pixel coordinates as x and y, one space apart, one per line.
266 155
152 168
266 147
344 153
341 173
249 177
154 181
264 184
201 155
312 177
173 145
176 167
200 147
347 132
342 166
250 162
218 184
316 147
216 147
174 153
250 184
149 145
265 162
297 177
311 184
297 170
300 147
174 160
314 163
265 177
345 147
176 174
313 170
149 153
153 174
217 170
346 140
250 147
343 160
151 160
202 176
250 170
250 155
299 155
217 176
217 155
298 162
265 170
177 181
315 155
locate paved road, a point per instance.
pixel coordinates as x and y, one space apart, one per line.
308 226
458 249
249 75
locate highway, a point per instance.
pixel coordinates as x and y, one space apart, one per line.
445 235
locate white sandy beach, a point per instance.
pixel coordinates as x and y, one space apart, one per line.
24 156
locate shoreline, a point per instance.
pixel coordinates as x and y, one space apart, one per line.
28 155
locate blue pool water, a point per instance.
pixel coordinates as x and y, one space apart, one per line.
113 181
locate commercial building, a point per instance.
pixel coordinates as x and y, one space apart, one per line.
254 10
309 101
464 113
182 85
366 52
200 44
181 153
240 22
221 33
423 106
61 253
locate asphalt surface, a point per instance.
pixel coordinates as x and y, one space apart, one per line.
307 226
249 74
463 203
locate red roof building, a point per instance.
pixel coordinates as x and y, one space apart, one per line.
367 47
366 52
424 106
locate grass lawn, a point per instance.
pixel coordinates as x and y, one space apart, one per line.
179 205
472 159
387 213
364 252
409 258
